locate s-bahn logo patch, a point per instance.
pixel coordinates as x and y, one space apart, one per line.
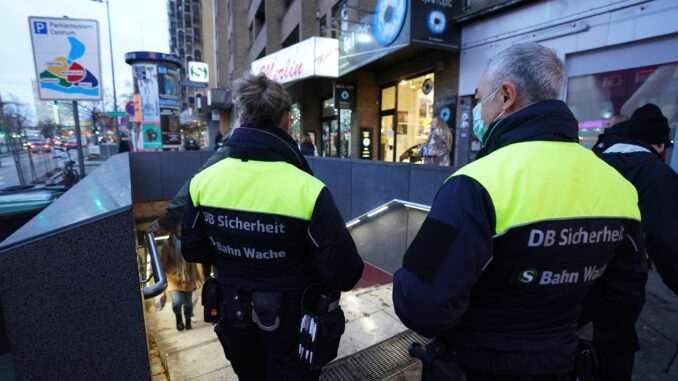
557 276
528 276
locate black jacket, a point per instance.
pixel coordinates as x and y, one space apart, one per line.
249 237
513 243
657 186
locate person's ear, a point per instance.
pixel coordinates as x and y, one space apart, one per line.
286 122
508 95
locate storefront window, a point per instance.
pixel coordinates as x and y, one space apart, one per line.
345 132
413 100
336 134
295 128
388 98
596 98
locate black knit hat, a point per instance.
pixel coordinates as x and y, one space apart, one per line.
649 125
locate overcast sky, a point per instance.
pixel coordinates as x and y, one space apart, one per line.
137 25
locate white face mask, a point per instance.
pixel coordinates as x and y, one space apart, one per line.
479 126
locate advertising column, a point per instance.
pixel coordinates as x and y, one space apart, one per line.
156 101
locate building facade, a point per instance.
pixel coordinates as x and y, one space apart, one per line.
192 39
396 62
618 54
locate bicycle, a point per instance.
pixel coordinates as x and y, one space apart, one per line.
68 176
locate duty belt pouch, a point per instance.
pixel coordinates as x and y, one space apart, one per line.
266 310
322 325
211 300
237 308
588 364
437 362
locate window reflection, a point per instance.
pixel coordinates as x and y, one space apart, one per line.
595 99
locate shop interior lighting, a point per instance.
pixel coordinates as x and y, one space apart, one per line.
375 212
160 238
403 82
364 38
352 223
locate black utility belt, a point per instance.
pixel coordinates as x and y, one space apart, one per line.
242 307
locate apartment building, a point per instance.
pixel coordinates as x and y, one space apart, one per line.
366 76
192 39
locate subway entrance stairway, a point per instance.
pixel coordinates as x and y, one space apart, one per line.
72 301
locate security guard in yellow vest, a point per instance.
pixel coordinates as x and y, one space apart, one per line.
272 230
515 240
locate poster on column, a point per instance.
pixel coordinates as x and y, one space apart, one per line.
152 135
146 83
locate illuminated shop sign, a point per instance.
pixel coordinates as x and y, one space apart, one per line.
396 24
316 56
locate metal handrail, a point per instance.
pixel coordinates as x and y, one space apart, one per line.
158 272
383 207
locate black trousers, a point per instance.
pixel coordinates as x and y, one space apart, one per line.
256 355
614 333
429 375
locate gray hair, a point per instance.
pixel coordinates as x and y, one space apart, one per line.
534 69
263 101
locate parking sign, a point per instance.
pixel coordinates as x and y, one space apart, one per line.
66 56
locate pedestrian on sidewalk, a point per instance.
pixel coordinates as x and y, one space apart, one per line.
637 154
439 143
182 279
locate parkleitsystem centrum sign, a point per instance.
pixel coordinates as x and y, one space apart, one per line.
67 60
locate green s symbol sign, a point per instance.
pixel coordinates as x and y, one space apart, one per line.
528 276
199 72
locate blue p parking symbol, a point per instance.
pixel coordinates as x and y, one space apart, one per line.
40 27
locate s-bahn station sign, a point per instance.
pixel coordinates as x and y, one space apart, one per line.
316 56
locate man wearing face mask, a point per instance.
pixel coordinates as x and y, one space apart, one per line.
515 240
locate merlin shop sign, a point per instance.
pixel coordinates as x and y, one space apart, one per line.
396 24
316 56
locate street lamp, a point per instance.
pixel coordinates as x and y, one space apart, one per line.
110 44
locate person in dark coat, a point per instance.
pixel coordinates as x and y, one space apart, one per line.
613 133
307 147
505 257
637 156
217 140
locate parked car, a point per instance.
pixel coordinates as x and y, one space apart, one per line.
70 143
38 145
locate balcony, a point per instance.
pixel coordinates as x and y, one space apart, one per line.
290 20
259 43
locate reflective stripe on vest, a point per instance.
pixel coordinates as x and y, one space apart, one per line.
257 186
536 181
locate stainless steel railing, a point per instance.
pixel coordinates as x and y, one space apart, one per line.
158 274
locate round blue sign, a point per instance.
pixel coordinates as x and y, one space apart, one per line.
445 114
129 108
436 22
389 18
